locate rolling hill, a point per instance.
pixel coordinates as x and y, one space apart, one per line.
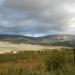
54 40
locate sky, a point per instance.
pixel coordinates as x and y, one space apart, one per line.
37 17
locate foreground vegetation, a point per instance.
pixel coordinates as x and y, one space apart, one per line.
38 63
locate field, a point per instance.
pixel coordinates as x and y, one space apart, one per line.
6 46
44 62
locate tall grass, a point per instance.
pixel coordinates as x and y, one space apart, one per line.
38 63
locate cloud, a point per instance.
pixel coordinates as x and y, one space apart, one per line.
37 16
1 2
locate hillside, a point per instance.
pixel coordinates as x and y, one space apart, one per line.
54 40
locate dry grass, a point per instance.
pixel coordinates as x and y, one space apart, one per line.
27 47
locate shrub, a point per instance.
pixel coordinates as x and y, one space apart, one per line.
55 61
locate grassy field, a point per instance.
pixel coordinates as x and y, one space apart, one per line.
27 47
38 63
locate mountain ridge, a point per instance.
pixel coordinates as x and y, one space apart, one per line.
65 40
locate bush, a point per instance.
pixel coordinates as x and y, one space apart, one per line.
55 61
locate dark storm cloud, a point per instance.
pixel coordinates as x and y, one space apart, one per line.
37 16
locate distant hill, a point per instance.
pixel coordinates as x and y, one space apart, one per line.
54 40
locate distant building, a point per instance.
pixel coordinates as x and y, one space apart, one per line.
14 52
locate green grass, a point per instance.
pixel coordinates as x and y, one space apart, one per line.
38 63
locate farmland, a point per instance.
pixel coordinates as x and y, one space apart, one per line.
8 47
29 59
38 63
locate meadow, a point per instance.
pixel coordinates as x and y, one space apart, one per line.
38 63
